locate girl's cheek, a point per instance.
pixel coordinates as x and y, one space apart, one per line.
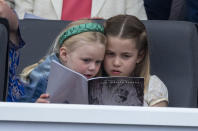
97 70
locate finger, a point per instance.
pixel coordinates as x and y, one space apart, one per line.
40 100
44 96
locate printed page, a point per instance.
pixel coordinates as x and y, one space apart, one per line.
116 91
66 85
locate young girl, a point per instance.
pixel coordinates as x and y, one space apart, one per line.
81 47
127 54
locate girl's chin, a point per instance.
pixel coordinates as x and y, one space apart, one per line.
118 74
88 77
115 74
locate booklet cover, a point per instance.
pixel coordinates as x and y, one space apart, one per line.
68 86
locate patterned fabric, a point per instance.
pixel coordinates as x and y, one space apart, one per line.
37 80
15 87
157 92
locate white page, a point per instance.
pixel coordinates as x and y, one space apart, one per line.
66 85
116 91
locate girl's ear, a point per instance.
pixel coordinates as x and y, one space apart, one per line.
63 54
141 55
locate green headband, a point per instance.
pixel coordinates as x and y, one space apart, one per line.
94 27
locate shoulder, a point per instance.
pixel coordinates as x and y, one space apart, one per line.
156 91
37 80
154 80
42 70
156 84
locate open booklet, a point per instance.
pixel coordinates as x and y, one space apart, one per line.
68 86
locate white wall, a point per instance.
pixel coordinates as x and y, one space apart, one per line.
28 116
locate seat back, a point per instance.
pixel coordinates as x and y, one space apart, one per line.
173 47
4 37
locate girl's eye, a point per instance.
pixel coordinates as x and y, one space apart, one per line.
109 53
86 60
126 56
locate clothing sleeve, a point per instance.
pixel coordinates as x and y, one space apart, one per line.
34 87
24 6
157 91
37 81
15 87
136 8
21 42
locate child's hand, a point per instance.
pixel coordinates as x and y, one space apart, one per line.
43 98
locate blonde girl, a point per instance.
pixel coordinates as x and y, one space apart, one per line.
127 54
80 47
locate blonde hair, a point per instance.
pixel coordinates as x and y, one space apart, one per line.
130 27
70 44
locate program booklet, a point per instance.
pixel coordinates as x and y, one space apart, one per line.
68 86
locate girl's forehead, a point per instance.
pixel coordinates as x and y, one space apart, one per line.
78 44
114 42
94 51
121 40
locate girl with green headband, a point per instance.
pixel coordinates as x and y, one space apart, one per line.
80 47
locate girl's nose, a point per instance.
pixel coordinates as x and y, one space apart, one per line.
117 62
92 66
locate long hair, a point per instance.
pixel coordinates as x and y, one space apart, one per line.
130 27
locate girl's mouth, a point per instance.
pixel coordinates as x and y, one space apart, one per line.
88 76
115 72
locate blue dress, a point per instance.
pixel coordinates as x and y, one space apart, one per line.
38 79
